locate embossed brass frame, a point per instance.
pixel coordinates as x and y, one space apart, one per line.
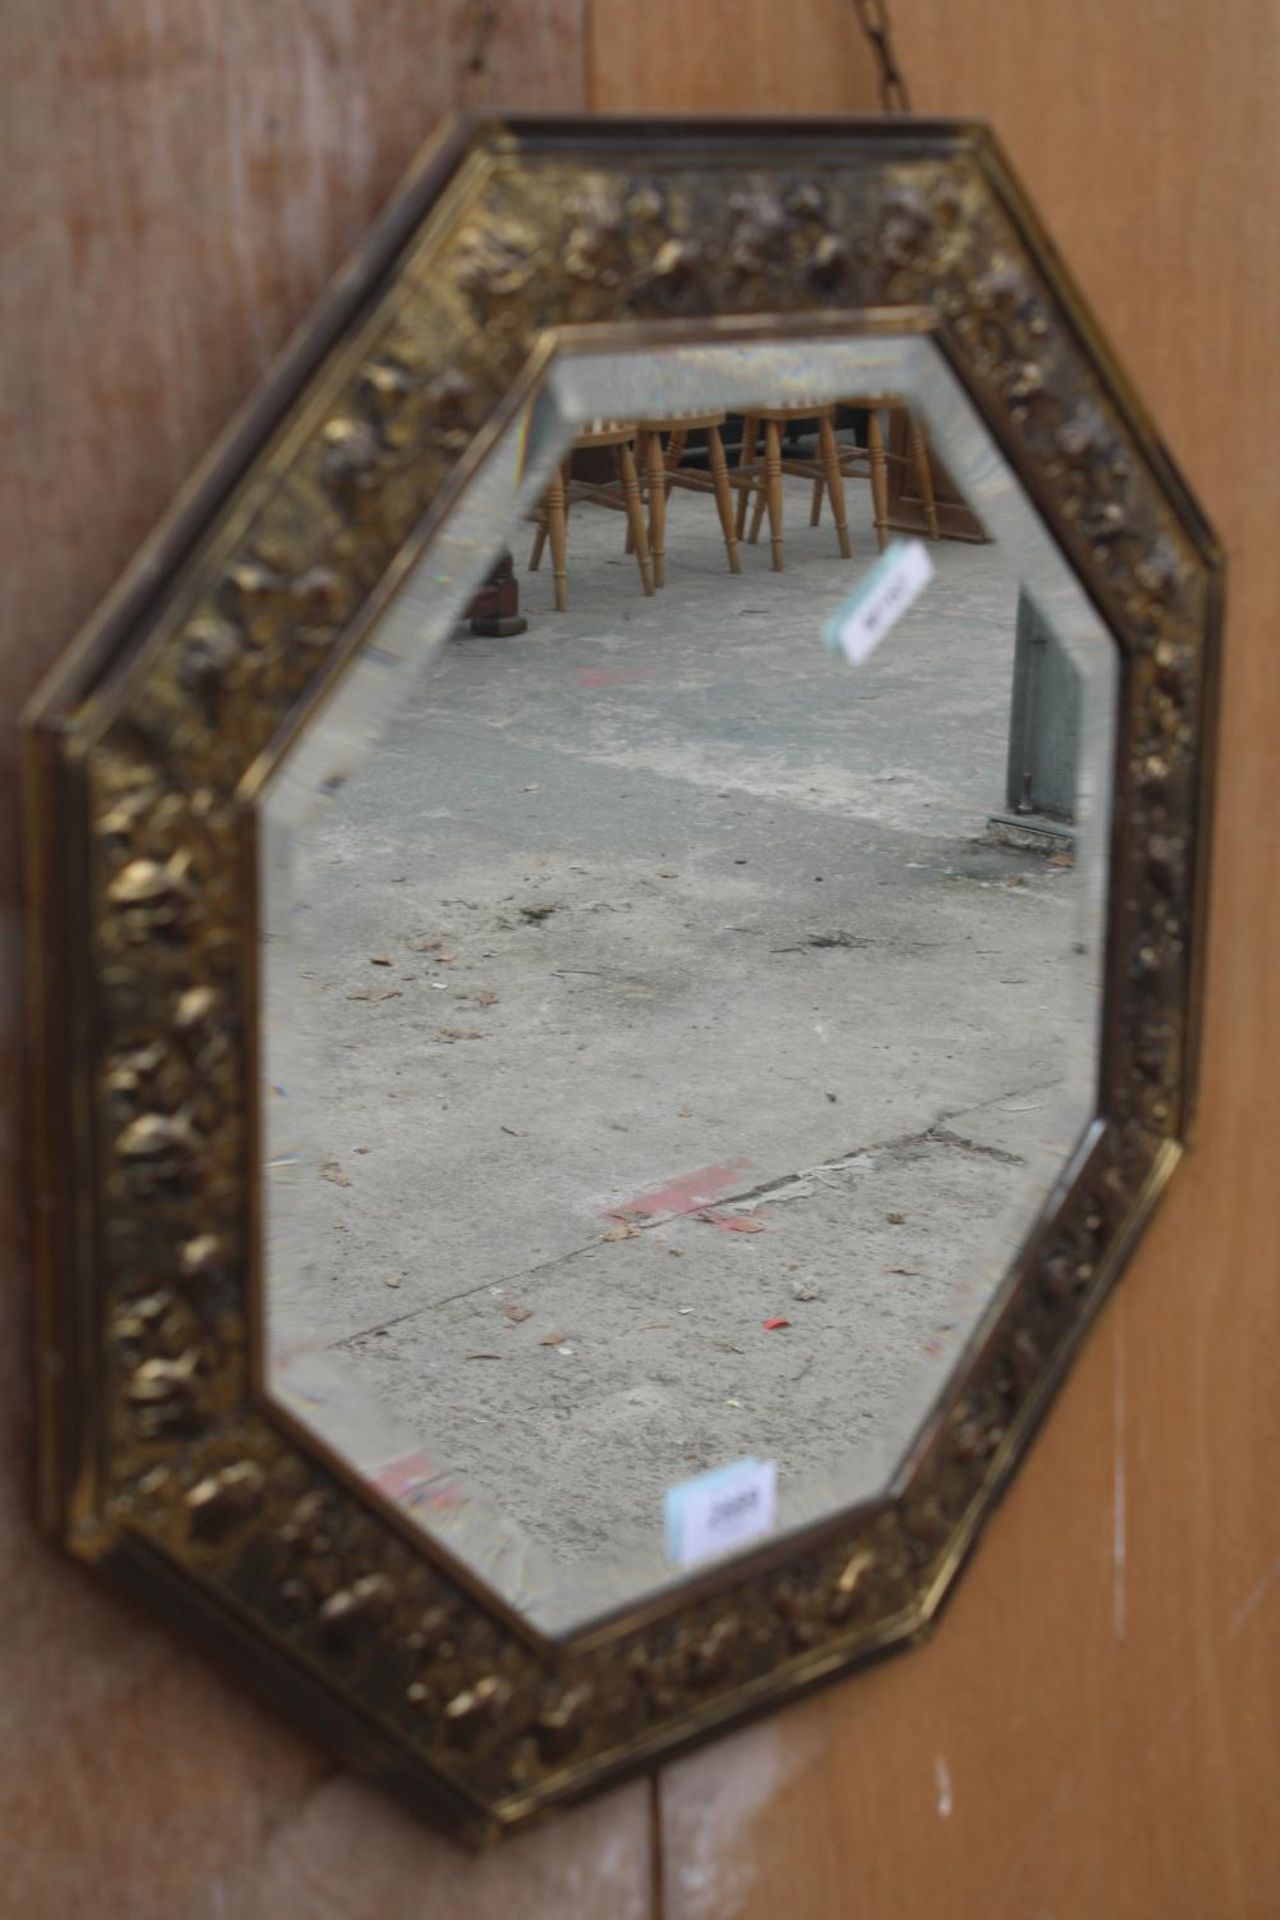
162 1460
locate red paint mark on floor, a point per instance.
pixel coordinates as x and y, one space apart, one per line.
592 677
685 1194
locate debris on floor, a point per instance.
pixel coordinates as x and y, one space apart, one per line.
731 1222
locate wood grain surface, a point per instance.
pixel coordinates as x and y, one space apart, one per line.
1093 1731
728 56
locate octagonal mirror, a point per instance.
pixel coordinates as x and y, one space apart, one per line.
617 919
675 1024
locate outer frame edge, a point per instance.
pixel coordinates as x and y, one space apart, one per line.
51 786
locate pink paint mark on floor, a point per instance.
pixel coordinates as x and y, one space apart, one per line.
592 677
685 1194
415 1480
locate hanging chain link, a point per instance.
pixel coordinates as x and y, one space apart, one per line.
873 18
482 19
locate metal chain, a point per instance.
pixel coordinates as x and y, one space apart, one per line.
873 18
482 20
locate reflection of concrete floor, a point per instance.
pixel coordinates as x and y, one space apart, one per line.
658 910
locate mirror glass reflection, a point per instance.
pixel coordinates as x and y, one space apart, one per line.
682 992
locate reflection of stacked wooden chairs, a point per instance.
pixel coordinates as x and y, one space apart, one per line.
872 462
648 460
838 460
761 475
663 472
552 517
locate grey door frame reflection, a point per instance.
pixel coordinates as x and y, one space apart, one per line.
580 380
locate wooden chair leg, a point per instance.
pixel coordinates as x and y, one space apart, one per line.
635 513
773 489
815 505
835 482
539 542
657 506
746 460
759 506
879 478
629 545
724 496
924 473
676 443
642 467
557 526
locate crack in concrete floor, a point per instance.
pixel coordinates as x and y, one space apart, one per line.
774 1190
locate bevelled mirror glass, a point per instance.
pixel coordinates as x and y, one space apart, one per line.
678 1013
617 914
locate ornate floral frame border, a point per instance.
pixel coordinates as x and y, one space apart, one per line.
161 1458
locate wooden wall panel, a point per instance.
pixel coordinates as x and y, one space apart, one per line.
728 56
1094 1729
180 177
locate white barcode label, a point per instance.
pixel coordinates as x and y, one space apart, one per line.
879 601
720 1510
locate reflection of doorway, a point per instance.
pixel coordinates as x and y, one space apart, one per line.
906 509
